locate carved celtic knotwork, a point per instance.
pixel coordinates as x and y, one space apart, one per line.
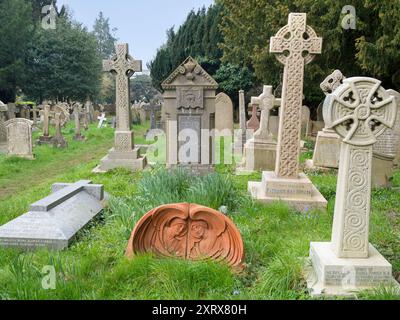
360 110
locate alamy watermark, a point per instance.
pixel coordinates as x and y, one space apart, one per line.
49 20
49 278
349 20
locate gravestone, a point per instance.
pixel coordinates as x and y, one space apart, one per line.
58 140
11 110
260 151
254 123
327 147
190 232
296 45
305 122
349 263
89 109
152 109
189 102
45 114
54 221
19 138
102 121
241 134
77 117
124 154
223 115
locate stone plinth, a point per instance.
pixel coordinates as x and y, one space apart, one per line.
298 193
382 170
122 159
327 150
259 156
339 276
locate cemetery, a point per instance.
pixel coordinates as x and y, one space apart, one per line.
223 174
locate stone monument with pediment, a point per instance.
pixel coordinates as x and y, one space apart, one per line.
360 111
19 138
189 104
295 45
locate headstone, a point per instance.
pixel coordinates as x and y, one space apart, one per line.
260 151
302 44
189 102
89 109
327 147
58 140
45 114
124 154
113 122
254 123
223 115
19 138
77 117
153 109
102 120
54 221
349 263
12 110
241 134
305 121
190 232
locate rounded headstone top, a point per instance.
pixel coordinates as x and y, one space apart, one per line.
360 110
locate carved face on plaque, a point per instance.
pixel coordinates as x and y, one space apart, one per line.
187 231
190 99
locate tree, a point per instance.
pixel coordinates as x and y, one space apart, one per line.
373 49
105 40
142 89
15 32
63 64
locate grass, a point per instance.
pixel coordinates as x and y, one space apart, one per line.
94 267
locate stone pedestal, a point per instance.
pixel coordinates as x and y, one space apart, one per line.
298 193
343 276
121 159
327 150
382 170
259 155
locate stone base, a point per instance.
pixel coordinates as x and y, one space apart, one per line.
327 150
44 140
121 159
309 165
259 156
382 170
332 276
298 193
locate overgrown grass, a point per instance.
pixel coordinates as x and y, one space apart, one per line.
94 267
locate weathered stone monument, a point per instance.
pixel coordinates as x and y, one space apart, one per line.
254 122
241 134
124 154
188 231
19 138
360 110
153 109
260 151
327 147
189 102
77 117
45 114
58 140
223 115
305 122
301 44
54 221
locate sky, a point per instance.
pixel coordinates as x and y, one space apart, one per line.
140 23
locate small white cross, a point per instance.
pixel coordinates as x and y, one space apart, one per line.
101 119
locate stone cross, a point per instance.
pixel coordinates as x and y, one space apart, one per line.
295 45
101 119
77 115
124 66
360 110
58 140
242 115
153 114
254 123
46 119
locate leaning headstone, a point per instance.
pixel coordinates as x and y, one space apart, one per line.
189 102
349 263
190 232
77 117
19 138
286 184
54 221
223 115
124 154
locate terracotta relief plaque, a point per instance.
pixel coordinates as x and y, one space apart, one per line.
188 231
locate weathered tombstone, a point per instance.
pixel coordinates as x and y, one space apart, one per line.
102 120
241 134
124 154
189 101
349 263
54 221
295 45
260 151
254 123
327 147
45 114
89 110
77 117
58 140
19 138
12 110
190 232
152 109
223 115
305 121
113 123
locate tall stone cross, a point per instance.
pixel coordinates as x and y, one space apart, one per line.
123 66
46 119
360 110
295 45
